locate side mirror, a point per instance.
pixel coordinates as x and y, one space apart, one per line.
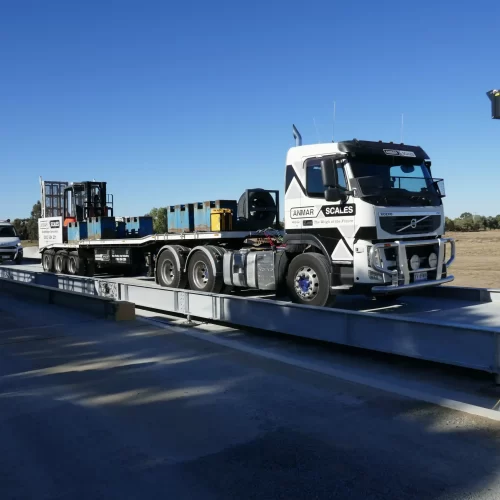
328 173
333 194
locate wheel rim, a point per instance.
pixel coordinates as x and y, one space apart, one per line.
57 264
200 274
46 262
72 265
306 283
168 271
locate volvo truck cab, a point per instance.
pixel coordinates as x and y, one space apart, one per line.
372 212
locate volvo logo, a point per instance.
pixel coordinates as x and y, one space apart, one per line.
413 223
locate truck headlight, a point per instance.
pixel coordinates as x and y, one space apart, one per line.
414 262
433 260
375 258
19 244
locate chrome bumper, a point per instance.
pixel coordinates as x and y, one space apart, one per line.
400 277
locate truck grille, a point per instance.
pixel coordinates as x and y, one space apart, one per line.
403 224
7 248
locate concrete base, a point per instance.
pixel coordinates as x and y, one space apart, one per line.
116 310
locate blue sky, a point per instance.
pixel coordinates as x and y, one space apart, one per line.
174 102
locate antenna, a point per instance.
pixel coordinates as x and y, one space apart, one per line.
333 128
317 131
402 127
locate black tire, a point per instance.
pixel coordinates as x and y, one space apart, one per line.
282 264
168 272
201 274
309 273
48 260
61 262
19 259
76 265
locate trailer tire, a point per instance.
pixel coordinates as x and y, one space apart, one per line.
169 273
48 260
76 265
61 261
201 275
309 280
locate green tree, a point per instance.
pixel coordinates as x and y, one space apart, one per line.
32 222
466 215
449 224
160 223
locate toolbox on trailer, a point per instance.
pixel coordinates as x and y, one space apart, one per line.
77 231
221 219
203 213
180 218
120 229
138 227
101 228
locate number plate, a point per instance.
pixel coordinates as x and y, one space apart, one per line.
422 276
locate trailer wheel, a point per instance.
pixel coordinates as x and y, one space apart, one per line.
61 262
76 265
201 274
48 260
309 280
168 271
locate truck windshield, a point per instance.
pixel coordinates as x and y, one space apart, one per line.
395 184
7 232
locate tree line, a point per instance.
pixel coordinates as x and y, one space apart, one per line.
27 229
470 222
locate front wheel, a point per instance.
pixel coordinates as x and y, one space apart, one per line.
309 280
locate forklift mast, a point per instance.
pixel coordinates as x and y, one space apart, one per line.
86 199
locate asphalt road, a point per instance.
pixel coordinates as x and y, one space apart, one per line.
94 409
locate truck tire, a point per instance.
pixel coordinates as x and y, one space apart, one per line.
76 265
48 260
168 271
61 262
201 274
309 280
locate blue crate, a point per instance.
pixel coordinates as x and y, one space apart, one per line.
101 228
120 229
138 227
202 212
180 218
77 231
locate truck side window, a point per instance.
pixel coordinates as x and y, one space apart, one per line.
341 176
314 182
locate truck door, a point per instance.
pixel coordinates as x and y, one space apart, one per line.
333 223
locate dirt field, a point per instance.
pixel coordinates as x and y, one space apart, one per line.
477 261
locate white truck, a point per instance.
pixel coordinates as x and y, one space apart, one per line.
360 217
10 243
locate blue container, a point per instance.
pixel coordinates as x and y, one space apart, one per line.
202 212
180 218
77 231
120 229
138 227
101 228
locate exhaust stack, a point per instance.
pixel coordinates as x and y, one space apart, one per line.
297 136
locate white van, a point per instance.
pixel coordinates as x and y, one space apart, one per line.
10 244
